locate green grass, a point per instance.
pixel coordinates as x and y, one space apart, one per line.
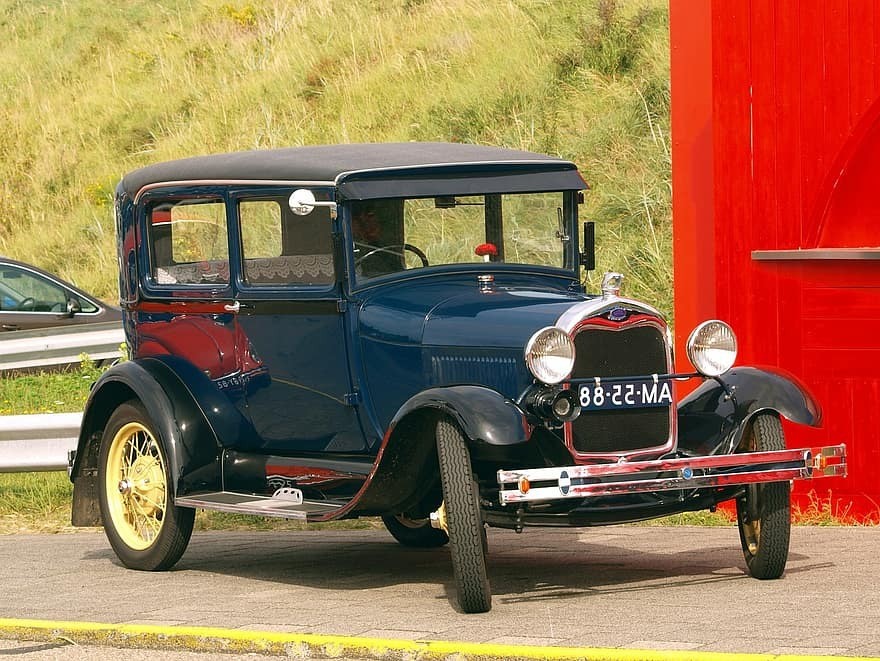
61 392
35 503
721 517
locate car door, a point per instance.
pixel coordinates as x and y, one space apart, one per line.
185 312
29 300
292 330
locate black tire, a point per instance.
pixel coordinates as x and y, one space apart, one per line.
467 534
764 512
147 532
417 533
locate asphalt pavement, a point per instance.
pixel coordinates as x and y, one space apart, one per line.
604 591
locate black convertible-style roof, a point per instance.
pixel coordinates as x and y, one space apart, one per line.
380 168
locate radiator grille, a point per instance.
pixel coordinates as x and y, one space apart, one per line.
640 350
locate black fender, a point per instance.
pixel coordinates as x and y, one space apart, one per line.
191 417
714 417
486 417
406 472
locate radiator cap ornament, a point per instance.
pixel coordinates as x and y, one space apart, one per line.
611 283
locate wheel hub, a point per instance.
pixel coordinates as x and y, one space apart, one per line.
438 518
145 484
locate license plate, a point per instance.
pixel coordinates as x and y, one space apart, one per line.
630 395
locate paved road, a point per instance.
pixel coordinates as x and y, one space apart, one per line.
679 588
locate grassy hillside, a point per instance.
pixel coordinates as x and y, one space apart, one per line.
93 89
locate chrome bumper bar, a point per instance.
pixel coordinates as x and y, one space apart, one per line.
545 484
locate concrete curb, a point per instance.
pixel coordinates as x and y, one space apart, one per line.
316 646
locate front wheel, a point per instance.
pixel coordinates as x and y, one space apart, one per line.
467 534
144 528
764 511
417 533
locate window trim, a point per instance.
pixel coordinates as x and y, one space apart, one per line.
146 248
279 290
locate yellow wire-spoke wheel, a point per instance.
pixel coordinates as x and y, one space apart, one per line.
137 493
143 525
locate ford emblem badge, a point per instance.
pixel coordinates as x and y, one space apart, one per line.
617 314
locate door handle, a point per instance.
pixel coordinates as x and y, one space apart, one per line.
9 326
238 305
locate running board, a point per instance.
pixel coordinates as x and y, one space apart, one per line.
284 503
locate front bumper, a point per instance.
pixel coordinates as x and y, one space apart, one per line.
534 485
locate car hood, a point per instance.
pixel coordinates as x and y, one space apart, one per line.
503 317
464 315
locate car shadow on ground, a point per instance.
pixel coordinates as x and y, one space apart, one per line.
521 568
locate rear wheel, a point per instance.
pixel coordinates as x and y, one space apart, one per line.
417 533
764 511
145 530
467 534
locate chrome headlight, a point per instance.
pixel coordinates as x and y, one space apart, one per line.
711 348
550 355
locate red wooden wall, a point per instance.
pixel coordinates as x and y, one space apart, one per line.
776 168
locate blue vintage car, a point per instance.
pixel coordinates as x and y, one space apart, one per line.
401 330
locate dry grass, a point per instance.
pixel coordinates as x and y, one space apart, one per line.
823 511
92 90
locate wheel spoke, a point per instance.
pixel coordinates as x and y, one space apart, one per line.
158 506
144 528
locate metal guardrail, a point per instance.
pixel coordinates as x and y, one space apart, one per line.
52 347
30 443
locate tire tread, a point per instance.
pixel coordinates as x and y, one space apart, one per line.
467 533
769 561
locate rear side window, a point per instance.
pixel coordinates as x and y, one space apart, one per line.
280 248
188 242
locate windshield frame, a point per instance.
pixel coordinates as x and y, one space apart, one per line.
570 269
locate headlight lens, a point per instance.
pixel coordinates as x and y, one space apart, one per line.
550 355
711 348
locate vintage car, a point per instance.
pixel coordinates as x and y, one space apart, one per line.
401 330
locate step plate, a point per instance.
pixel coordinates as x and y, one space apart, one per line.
241 503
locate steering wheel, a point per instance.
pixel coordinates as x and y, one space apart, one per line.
396 249
26 304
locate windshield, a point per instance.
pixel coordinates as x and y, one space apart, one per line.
398 234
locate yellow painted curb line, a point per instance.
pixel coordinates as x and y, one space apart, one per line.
208 639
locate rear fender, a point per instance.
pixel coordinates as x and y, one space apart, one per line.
192 440
713 418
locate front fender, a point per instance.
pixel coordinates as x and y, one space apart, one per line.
713 418
406 476
485 416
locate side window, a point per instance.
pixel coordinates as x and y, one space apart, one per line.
22 291
280 248
188 242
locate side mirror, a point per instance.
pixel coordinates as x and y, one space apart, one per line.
73 307
302 202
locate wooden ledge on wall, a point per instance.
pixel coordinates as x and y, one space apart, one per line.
811 254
